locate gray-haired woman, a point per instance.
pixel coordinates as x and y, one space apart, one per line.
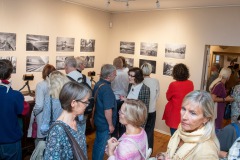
74 100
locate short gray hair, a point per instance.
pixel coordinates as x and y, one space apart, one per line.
106 70
71 62
80 61
147 69
72 91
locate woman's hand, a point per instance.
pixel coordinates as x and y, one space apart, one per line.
122 98
229 99
112 144
162 156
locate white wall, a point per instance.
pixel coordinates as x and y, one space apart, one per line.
52 18
193 27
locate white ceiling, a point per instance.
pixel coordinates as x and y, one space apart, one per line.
144 5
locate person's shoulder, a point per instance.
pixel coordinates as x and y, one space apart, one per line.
207 150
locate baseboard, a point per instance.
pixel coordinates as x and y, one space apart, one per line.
163 132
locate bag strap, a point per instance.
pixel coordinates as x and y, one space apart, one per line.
236 128
137 146
95 95
72 140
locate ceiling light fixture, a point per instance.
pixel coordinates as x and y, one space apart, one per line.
158 4
108 3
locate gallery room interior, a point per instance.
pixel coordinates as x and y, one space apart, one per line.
202 29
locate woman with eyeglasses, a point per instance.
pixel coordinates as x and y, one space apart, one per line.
137 89
132 115
74 99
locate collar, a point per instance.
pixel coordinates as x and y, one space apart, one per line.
6 83
104 81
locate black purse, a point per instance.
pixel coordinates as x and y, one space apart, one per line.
227 112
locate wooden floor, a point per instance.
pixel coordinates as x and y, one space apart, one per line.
160 143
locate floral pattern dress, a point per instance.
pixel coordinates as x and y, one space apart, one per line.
235 108
58 146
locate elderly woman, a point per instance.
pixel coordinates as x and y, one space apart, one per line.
74 100
137 89
175 94
195 137
52 107
153 84
133 114
41 92
219 95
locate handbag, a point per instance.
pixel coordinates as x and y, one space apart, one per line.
227 112
38 151
34 128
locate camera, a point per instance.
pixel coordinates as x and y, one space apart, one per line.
28 77
91 73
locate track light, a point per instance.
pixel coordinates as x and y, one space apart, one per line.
108 3
158 4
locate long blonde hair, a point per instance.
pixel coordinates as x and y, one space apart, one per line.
224 74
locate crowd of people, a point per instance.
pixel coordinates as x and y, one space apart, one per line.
124 113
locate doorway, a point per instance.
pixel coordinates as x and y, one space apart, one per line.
221 55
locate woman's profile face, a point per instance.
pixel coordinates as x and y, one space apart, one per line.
121 113
192 117
79 106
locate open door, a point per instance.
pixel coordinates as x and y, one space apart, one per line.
206 65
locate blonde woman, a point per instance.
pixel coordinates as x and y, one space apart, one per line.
219 95
52 107
195 138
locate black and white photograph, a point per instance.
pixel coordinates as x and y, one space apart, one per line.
65 44
127 47
168 68
148 49
89 61
153 63
232 58
37 43
36 63
60 62
175 51
87 45
130 62
13 60
7 41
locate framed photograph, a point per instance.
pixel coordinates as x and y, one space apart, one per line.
87 45
36 63
153 63
130 62
89 61
65 44
127 47
7 41
60 62
232 58
175 51
13 60
37 43
148 49
168 68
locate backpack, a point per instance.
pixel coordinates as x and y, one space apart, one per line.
89 108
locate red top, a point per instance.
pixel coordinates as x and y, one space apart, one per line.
175 94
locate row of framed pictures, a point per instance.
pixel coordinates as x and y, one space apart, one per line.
37 63
151 49
41 43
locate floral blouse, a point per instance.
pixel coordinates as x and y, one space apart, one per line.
235 109
58 146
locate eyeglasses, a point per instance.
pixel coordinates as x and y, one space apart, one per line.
86 103
131 75
120 112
